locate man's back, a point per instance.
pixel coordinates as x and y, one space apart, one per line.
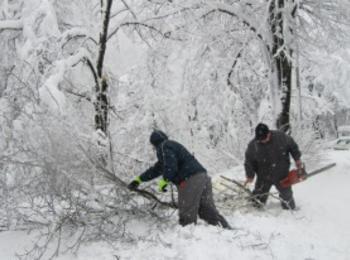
183 164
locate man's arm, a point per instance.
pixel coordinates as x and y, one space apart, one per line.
152 172
149 174
249 166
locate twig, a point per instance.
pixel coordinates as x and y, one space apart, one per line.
238 184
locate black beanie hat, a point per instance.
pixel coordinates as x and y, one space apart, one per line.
261 131
157 137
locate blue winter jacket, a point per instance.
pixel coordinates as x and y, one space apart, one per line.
175 163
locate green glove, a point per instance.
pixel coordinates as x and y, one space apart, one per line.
135 183
162 185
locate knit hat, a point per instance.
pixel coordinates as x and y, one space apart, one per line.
261 131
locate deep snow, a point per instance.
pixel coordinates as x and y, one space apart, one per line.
320 229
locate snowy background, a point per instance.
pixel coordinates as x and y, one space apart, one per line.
206 73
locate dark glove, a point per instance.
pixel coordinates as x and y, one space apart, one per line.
135 183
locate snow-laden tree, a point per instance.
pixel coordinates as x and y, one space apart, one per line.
274 35
54 123
76 123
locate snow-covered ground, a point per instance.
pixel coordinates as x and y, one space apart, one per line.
320 229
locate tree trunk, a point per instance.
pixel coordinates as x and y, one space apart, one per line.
101 107
281 52
102 104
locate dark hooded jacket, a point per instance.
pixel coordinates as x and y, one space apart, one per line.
175 162
270 161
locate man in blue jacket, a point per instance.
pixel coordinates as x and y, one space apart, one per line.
177 165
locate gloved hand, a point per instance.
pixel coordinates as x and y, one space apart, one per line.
299 164
162 185
135 183
248 181
301 169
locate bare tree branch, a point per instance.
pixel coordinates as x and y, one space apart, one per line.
94 73
166 35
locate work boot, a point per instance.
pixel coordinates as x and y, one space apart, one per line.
288 205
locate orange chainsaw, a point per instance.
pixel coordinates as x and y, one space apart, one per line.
299 175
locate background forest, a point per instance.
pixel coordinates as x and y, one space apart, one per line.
83 83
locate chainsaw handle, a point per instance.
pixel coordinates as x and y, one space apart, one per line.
301 172
299 164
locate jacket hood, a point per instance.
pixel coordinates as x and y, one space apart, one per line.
158 137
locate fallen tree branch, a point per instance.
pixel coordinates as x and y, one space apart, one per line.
144 193
250 193
238 184
113 177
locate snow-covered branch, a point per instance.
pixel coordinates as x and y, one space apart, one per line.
50 91
237 13
75 33
11 25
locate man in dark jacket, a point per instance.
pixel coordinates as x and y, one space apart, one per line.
180 167
267 156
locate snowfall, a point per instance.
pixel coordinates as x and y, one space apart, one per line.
318 229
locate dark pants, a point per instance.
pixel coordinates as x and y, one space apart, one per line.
261 193
196 198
